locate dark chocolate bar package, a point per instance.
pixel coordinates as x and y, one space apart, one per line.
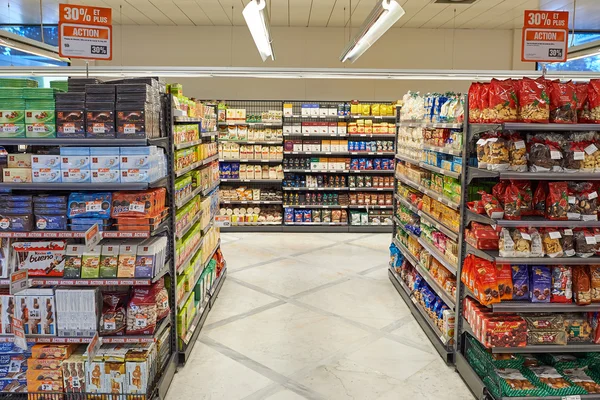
520 278
133 119
70 120
540 284
100 120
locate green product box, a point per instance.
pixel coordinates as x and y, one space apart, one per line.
109 260
8 130
12 116
40 116
41 130
90 263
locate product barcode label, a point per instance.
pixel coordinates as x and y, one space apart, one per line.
592 217
93 206
578 155
136 206
572 397
9 128
592 195
590 239
555 155
525 236
568 232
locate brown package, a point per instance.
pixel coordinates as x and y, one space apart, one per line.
582 285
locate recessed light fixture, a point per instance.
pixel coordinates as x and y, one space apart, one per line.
30 46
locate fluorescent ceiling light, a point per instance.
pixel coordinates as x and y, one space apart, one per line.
30 46
385 14
257 18
583 50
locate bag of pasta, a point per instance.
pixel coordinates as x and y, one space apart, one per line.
503 101
533 101
563 102
517 153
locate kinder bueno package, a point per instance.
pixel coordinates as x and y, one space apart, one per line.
40 258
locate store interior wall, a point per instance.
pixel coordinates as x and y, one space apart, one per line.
314 48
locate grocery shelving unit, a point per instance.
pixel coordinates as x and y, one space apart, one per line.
444 347
296 117
467 372
168 369
184 345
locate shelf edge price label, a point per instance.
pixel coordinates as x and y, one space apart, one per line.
93 236
85 32
544 36
19 332
18 281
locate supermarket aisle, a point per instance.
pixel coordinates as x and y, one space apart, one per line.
312 316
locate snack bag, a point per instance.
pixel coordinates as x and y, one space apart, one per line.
503 101
541 282
594 100
551 242
492 206
505 283
595 283
526 196
483 150
486 285
517 153
522 240
142 311
113 319
563 102
506 244
484 103
585 243
512 203
520 279
533 101
582 285
162 299
537 249
498 155
499 190
557 201
539 198
583 104
562 284
575 155
567 242
474 103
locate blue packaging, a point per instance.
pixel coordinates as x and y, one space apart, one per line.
520 278
351 145
377 163
92 205
289 215
307 216
139 150
16 211
46 199
235 170
50 222
16 198
298 216
105 151
9 348
354 164
74 151
369 164
13 385
362 146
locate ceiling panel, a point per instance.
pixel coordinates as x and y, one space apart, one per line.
173 11
427 14
299 11
411 8
194 12
319 15
129 11
488 16
338 17
466 13
278 12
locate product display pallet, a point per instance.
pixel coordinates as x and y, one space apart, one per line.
334 139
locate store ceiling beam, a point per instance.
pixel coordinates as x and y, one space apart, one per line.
291 73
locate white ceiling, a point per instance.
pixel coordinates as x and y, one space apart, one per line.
483 14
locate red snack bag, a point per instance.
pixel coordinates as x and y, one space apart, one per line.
583 104
562 284
539 198
492 206
484 102
594 100
486 285
526 196
533 101
499 190
476 206
503 101
474 111
563 102
113 319
512 203
557 201
482 237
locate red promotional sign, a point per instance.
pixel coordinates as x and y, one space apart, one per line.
85 32
545 36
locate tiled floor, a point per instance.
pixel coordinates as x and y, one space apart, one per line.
312 316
